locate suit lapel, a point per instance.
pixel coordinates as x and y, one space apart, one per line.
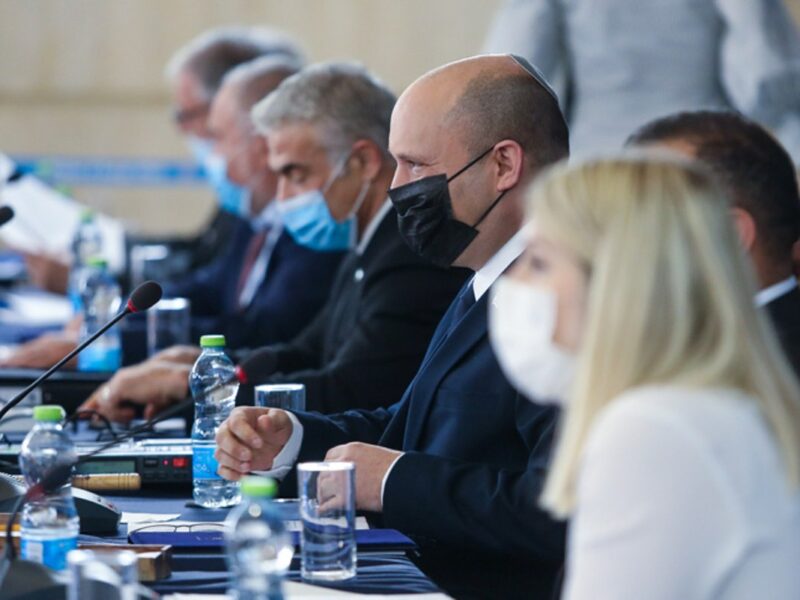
439 362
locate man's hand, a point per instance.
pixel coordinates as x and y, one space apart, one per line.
371 463
43 352
156 385
185 355
47 272
250 439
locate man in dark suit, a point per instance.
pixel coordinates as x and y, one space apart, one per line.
758 175
265 289
328 131
259 292
459 461
195 74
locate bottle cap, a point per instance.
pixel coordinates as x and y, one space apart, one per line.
48 412
253 486
212 341
97 262
87 215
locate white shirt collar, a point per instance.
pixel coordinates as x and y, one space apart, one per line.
488 273
372 227
775 291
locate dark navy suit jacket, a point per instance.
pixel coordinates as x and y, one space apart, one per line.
476 458
296 285
785 314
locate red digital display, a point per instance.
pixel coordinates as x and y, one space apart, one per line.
180 463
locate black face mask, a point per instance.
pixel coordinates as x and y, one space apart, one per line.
425 217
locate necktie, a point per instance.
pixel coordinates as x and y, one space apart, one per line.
250 257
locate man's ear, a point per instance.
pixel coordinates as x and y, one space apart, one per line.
745 227
261 151
507 163
367 159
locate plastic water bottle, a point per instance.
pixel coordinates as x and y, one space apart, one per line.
260 548
101 300
214 387
86 243
50 523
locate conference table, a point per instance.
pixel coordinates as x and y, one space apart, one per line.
193 572
380 571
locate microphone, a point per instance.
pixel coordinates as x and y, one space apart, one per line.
6 214
255 367
142 298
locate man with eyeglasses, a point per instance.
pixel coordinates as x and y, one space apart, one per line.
195 73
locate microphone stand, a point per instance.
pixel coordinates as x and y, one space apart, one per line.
77 350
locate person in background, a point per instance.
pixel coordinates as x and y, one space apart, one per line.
258 291
195 74
456 462
328 132
678 460
621 63
758 175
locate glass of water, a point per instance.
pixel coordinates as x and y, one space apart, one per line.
328 518
102 575
168 323
288 396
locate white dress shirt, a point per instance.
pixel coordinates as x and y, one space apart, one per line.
773 292
682 493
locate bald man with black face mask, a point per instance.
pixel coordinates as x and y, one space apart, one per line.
457 463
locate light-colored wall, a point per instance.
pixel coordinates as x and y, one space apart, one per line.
85 77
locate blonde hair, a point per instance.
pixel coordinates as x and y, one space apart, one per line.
670 300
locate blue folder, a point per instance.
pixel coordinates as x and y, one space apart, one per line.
366 539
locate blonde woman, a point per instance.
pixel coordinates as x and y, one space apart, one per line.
678 461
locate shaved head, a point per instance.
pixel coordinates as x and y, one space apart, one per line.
494 122
485 99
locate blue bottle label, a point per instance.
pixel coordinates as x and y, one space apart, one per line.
204 465
100 359
51 553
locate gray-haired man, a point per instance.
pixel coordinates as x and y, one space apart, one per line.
195 74
327 129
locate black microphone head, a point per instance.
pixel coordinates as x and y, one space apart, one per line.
6 214
144 296
257 366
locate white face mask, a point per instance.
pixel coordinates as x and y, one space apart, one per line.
522 320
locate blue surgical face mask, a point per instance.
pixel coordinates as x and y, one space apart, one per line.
231 198
307 219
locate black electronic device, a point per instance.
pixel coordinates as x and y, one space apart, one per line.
68 389
97 515
159 462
